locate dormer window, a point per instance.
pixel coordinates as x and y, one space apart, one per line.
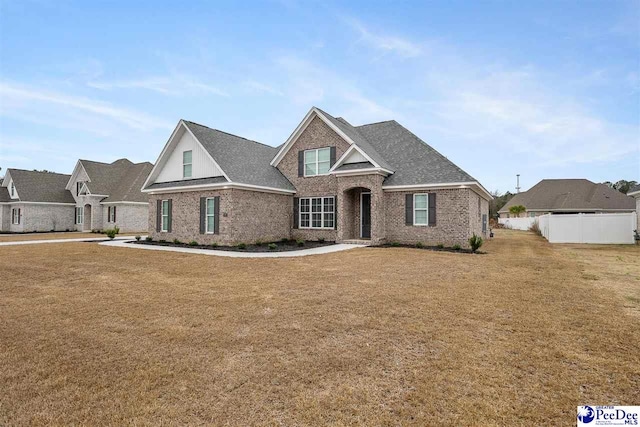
317 162
13 190
186 163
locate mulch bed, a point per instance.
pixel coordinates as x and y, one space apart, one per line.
282 246
429 248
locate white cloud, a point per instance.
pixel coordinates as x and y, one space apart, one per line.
255 86
173 85
384 42
28 103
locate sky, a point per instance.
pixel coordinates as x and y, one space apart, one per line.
536 88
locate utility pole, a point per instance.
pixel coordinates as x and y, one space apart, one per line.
518 183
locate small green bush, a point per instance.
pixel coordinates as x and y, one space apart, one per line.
440 246
259 243
214 245
176 241
456 247
193 243
321 240
419 245
273 246
284 240
300 242
111 233
475 242
162 241
138 238
149 239
395 244
117 230
242 246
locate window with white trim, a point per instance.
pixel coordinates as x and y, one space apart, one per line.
420 209
317 212
112 214
211 216
80 215
165 215
532 214
15 216
317 161
13 189
187 157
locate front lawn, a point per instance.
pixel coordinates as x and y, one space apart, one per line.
94 335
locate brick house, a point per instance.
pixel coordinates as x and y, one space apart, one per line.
330 180
35 201
107 195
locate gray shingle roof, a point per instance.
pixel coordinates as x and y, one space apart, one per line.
4 195
187 183
41 187
120 181
570 195
412 160
244 161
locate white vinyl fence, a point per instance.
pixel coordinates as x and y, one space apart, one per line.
611 228
517 223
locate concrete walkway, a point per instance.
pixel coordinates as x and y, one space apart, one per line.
232 254
86 239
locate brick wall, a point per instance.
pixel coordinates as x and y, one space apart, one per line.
349 189
39 218
452 219
316 135
5 218
129 217
478 206
245 217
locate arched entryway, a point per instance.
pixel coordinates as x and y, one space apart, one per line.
357 213
86 225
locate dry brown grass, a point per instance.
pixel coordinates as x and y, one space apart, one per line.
46 236
522 335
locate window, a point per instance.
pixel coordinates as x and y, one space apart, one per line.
111 214
165 215
186 163
78 187
420 209
317 212
317 162
211 216
532 214
13 190
479 208
15 216
80 215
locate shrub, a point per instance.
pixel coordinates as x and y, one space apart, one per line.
419 245
162 241
176 241
259 243
273 246
66 229
111 233
321 240
475 242
149 239
300 242
284 240
193 243
214 245
456 247
395 244
517 210
440 246
117 230
138 238
535 227
242 246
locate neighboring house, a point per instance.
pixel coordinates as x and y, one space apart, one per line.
569 196
635 193
35 201
107 195
330 180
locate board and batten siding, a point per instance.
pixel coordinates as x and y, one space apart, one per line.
202 167
355 157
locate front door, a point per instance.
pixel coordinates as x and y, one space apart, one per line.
365 215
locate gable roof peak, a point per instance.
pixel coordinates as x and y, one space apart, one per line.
227 133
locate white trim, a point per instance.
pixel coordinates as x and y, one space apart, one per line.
207 215
369 171
81 216
361 194
124 203
322 212
422 209
317 162
162 215
166 146
355 147
37 203
74 175
633 193
187 164
6 178
220 186
472 185
303 125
